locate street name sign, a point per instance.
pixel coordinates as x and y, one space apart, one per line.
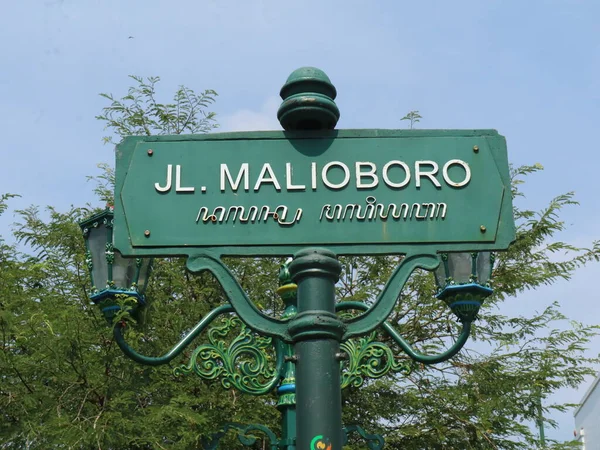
273 193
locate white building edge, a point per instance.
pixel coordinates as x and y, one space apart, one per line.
587 418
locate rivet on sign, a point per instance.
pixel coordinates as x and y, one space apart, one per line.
150 152
483 228
147 233
476 149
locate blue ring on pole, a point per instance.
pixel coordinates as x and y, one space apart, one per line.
111 308
473 288
454 287
110 293
466 302
286 388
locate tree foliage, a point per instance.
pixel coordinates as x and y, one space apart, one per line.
139 113
65 383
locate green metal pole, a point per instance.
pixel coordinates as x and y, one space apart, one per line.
287 389
287 402
540 421
316 332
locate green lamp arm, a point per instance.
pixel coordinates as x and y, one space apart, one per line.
406 347
177 349
384 305
243 306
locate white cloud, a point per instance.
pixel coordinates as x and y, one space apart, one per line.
248 120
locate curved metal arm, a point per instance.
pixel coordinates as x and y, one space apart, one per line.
406 347
384 305
248 313
177 349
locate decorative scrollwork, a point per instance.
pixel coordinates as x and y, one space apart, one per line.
374 441
370 358
245 435
243 364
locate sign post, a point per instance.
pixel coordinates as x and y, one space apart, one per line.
317 193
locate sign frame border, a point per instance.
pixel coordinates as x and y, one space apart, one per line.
496 143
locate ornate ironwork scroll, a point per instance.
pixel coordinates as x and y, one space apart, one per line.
370 358
374 441
242 363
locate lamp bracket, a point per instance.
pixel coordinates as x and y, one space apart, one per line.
243 306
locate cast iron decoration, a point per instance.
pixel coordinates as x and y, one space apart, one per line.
440 197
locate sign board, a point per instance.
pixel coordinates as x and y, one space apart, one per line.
273 193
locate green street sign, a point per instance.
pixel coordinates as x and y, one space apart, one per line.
273 193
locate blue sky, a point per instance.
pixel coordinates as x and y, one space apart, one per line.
529 69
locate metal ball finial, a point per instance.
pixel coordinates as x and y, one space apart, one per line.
308 101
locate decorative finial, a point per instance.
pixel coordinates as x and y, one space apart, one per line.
287 291
308 101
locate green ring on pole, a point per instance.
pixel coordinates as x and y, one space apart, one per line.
315 261
316 325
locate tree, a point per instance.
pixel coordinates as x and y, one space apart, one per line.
65 383
413 117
